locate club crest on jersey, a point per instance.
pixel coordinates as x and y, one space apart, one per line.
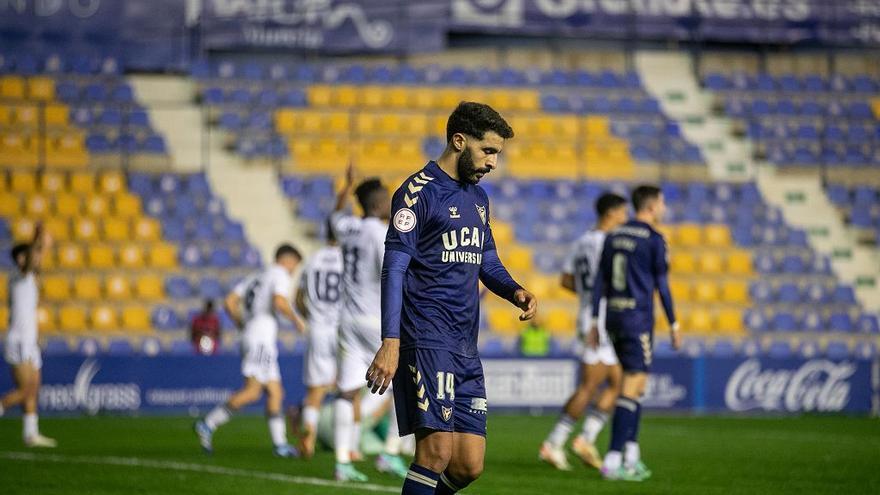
447 413
404 220
453 212
482 211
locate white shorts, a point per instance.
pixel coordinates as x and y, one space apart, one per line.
319 366
358 345
259 360
603 354
17 353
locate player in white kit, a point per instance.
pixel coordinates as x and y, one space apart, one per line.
319 300
254 305
363 247
598 364
21 350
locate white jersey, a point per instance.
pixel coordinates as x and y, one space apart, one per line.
321 284
583 263
257 293
23 300
363 246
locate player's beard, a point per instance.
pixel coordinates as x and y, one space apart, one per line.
467 171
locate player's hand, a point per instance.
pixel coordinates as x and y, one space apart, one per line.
384 365
527 302
349 175
675 337
593 337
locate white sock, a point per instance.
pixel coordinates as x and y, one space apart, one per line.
632 454
356 436
343 422
612 461
392 436
560 432
593 425
277 430
218 417
30 426
310 417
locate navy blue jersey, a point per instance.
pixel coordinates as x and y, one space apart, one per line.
634 264
443 225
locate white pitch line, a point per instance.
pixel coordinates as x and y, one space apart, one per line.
194 468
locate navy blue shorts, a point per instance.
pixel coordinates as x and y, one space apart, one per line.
633 337
439 390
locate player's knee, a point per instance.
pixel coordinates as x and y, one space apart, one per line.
465 473
349 395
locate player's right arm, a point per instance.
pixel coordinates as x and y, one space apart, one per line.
38 247
661 274
344 194
232 303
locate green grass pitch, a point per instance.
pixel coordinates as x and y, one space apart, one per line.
699 455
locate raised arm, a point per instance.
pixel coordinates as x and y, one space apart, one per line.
344 194
38 247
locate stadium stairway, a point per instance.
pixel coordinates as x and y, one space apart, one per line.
669 77
805 205
251 192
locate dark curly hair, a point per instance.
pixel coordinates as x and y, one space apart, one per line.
474 119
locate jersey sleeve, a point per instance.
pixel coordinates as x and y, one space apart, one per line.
282 283
241 287
409 215
661 274
339 222
568 261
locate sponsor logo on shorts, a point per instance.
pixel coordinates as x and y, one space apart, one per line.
479 405
447 413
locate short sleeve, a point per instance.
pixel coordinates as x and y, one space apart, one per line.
241 287
568 261
409 214
282 283
340 222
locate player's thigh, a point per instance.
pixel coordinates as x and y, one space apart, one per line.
26 376
274 390
433 449
354 361
634 384
468 454
471 406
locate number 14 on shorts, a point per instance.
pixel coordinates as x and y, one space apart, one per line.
445 385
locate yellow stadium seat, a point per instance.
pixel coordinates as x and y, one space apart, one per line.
4 286
37 206
689 235
56 115
46 321
67 151
111 182
163 255
541 286
4 317
56 287
560 321
70 256
117 288
97 206
87 287
58 228
711 263
26 116
502 232
730 321
17 150
717 236
700 321
402 97
373 96
52 182
131 256
82 182
23 182
683 263
101 256
735 291
104 317
23 230
346 96
41 88
126 205
146 229
10 205
68 205
597 126
705 291
503 320
136 318
318 95
149 288
337 122
85 229
12 87
520 258
285 121
739 263
72 318
527 101
681 290
5 115
116 229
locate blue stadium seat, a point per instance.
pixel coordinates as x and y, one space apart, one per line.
815 293
221 257
230 121
174 229
110 117
865 351
95 93
251 258
252 71
98 143
844 294
181 348
779 349
233 231
120 347
808 349
211 288
56 346
789 293
154 144
125 143
784 321
178 287
165 318
868 323
663 348
840 322
88 347
191 256
793 264
141 184
837 350
762 292
198 184
122 94
812 321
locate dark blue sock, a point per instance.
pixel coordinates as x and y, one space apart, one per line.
634 434
448 486
625 418
420 481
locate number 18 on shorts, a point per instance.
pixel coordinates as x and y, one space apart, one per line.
439 390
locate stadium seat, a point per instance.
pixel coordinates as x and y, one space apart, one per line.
68 205
146 229
55 287
126 205
87 287
101 256
682 262
23 230
117 288
680 289
164 318
700 321
104 317
730 321
58 228
70 256
37 206
23 182
97 206
10 205
46 319
72 318
136 319
503 321
111 182
149 288
82 183
711 263
131 256
735 291
163 255
560 321
739 263
689 235
116 229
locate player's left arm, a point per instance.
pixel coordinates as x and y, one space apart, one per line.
40 244
344 194
497 279
661 273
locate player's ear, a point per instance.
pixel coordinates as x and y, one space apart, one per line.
458 142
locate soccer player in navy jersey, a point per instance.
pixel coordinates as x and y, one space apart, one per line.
439 247
634 265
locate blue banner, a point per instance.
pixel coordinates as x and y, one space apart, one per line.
179 384
840 22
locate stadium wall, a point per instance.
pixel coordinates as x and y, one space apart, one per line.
703 384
